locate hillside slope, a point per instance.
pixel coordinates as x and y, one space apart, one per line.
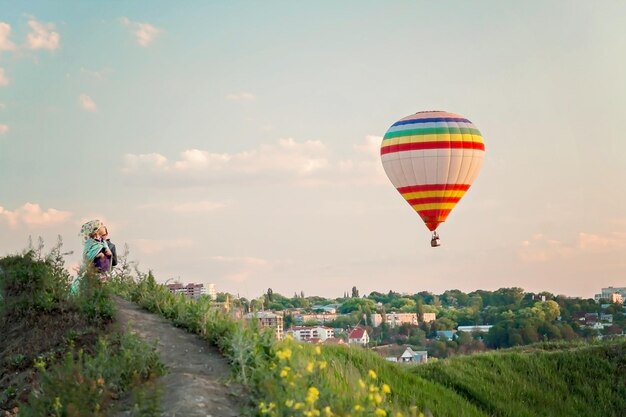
581 381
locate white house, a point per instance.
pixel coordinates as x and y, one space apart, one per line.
401 354
303 333
358 336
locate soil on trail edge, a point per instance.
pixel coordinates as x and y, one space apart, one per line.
196 383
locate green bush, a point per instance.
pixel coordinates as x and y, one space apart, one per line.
84 385
30 286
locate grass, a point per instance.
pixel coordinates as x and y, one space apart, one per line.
287 378
576 380
58 353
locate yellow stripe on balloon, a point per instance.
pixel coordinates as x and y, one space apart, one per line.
456 137
434 206
427 194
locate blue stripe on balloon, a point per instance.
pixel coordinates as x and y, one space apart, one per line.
445 124
430 120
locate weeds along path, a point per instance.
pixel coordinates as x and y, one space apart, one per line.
196 383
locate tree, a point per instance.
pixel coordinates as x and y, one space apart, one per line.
355 292
270 294
551 310
567 333
356 304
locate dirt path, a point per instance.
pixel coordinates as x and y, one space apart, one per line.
196 383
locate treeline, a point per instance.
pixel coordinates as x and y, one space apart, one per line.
517 317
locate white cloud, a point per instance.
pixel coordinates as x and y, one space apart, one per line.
154 162
286 159
144 32
31 214
87 103
3 129
370 146
241 97
592 242
3 78
308 163
152 246
5 33
42 36
540 248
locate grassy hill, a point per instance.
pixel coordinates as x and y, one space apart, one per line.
295 379
60 355
574 380
43 325
544 380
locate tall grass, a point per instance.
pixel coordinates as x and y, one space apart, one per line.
288 378
575 381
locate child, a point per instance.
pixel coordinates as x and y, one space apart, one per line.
95 250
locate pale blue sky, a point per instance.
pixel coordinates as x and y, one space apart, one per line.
236 142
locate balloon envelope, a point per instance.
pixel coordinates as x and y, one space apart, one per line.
432 158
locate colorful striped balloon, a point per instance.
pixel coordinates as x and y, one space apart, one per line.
432 158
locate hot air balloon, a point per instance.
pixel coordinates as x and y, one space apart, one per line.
432 158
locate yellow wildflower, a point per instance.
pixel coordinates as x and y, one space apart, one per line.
372 374
386 389
361 384
327 412
322 364
378 399
289 403
318 350
298 406
309 367
40 364
312 395
284 354
358 408
373 388
380 412
285 372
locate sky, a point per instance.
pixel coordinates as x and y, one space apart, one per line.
238 143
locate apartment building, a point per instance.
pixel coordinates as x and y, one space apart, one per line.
615 295
268 319
304 333
191 290
394 319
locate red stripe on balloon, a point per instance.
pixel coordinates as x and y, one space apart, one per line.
430 200
420 146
